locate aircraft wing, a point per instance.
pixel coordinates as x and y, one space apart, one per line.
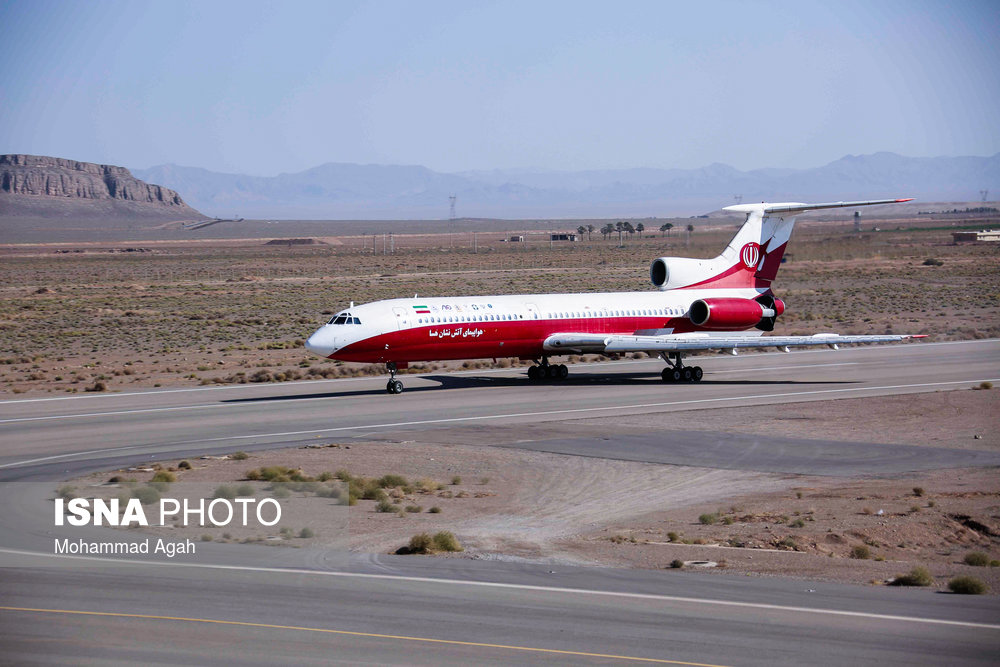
609 343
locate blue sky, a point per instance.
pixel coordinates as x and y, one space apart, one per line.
269 87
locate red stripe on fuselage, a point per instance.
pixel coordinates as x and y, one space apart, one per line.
521 338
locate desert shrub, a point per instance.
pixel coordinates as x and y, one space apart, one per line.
708 519
97 386
385 506
933 261
918 576
392 481
977 559
239 456
244 490
164 476
456 480
435 510
861 552
788 543
206 538
672 536
966 586
67 492
798 523
147 495
342 475
227 491
280 492
324 477
306 533
184 465
420 543
985 385
414 509
677 563
446 541
918 491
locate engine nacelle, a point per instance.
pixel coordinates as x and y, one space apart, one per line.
732 313
672 272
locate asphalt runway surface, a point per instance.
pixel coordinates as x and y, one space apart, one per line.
412 610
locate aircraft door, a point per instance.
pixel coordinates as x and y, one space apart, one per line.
402 318
532 311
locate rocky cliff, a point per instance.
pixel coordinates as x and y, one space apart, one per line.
42 186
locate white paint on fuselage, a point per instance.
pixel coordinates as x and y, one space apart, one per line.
381 317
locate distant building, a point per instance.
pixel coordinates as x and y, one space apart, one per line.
517 238
985 235
562 237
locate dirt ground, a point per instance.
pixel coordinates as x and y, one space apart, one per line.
513 504
113 317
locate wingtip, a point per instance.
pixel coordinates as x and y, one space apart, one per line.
900 201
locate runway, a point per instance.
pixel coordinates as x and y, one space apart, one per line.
411 610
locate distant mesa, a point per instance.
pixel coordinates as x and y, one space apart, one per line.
35 186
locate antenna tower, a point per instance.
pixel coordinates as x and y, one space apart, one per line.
984 194
451 210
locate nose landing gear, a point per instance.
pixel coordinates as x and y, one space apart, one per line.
678 372
393 386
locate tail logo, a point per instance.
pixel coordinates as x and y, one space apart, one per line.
750 255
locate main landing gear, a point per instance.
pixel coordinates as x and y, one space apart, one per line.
678 372
544 371
393 386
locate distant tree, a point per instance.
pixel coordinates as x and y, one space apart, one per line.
666 227
690 228
640 228
581 230
620 226
590 231
629 229
607 230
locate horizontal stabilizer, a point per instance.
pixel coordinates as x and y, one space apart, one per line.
796 207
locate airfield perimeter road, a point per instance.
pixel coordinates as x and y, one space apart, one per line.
410 610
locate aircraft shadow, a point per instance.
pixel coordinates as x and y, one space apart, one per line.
589 379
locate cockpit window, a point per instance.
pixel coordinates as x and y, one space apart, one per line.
346 318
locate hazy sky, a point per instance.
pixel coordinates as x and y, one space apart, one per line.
269 87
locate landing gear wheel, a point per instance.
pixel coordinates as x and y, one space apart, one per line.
667 375
394 387
534 373
552 372
563 371
697 373
688 374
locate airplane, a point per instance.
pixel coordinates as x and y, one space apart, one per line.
722 304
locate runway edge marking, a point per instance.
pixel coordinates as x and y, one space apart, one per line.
530 587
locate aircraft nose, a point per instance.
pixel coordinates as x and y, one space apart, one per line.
322 342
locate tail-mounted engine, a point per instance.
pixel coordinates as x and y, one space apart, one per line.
734 313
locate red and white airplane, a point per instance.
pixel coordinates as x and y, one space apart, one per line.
724 303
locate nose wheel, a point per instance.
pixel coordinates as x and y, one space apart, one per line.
393 386
678 372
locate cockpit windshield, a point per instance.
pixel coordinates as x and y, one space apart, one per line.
344 318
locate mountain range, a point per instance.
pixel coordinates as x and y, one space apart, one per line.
355 191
